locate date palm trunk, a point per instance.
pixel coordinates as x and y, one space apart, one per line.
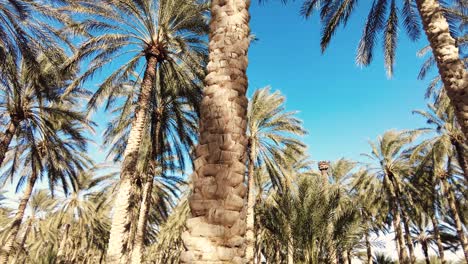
250 221
121 218
399 239
440 247
461 157
368 249
16 225
451 68
216 228
23 240
425 249
137 251
6 139
456 216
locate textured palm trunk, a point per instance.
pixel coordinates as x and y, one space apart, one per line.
451 67
425 249
250 222
368 249
121 218
63 244
137 251
456 216
16 225
23 241
461 157
409 240
216 229
440 247
6 139
400 241
405 218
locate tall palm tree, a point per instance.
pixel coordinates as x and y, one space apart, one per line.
448 137
392 167
151 34
383 19
168 137
270 131
217 223
49 136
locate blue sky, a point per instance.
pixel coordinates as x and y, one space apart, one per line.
341 104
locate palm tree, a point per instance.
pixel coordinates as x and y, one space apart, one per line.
169 246
29 29
82 217
165 35
49 136
40 205
217 200
392 167
448 137
168 136
270 131
383 19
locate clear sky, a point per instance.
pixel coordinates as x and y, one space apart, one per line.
341 104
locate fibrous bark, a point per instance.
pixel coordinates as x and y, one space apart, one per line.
451 68
447 189
6 139
440 247
121 219
15 226
137 251
250 223
216 228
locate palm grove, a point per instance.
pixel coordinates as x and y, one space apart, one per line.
253 195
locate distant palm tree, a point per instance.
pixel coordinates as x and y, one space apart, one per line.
391 166
217 200
270 131
83 219
383 19
165 35
49 135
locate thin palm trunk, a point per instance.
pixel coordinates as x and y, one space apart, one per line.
451 67
425 249
137 251
23 240
461 157
405 218
121 219
217 222
63 244
409 240
250 222
6 139
440 247
399 239
15 226
456 216
368 249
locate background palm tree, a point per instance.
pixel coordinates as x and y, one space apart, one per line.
270 131
158 34
49 136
